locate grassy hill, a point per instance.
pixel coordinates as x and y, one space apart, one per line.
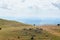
12 30
11 23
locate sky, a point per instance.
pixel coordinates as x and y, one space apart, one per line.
31 11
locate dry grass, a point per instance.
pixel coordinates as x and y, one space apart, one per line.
51 29
12 30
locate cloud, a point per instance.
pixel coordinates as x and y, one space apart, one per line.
56 5
29 9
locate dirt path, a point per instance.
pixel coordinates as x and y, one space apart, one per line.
50 31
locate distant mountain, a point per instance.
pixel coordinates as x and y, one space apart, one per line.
38 21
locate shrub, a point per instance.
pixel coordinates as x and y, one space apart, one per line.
0 28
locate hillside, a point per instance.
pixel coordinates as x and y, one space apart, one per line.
11 23
12 30
53 29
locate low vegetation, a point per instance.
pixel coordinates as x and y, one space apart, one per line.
11 30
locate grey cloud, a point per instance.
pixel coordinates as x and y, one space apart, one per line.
56 5
23 0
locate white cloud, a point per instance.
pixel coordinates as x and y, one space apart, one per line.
29 8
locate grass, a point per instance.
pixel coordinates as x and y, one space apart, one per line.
25 35
56 28
12 30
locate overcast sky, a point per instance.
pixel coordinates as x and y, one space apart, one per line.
25 9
